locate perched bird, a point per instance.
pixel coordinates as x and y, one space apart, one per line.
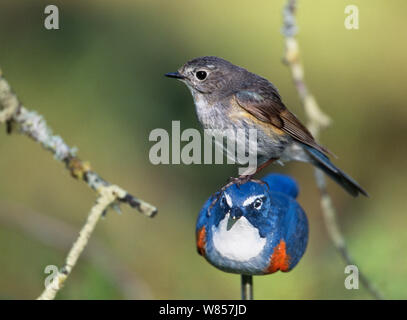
254 229
230 97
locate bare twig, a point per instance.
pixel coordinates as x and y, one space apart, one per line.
108 195
58 234
317 120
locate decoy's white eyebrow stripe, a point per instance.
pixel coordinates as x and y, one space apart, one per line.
228 200
251 199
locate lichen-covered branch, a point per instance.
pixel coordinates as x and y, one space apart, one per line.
107 196
317 120
30 123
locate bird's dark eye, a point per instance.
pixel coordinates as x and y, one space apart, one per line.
257 203
201 75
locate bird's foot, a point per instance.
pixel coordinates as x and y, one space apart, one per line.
241 180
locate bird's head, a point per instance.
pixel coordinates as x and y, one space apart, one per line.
250 200
209 75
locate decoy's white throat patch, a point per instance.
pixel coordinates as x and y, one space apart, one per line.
241 243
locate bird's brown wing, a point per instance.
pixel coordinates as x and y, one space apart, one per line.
265 104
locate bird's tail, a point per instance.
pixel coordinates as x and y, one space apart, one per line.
322 162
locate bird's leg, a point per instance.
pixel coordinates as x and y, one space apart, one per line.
245 178
242 179
267 163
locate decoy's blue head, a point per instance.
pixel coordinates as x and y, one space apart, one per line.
250 200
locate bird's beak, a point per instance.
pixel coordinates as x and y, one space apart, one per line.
231 222
175 75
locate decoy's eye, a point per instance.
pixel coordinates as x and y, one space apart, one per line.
257 204
201 75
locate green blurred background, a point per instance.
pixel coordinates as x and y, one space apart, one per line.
99 83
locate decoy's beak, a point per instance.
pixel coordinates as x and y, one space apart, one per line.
231 222
234 215
175 75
